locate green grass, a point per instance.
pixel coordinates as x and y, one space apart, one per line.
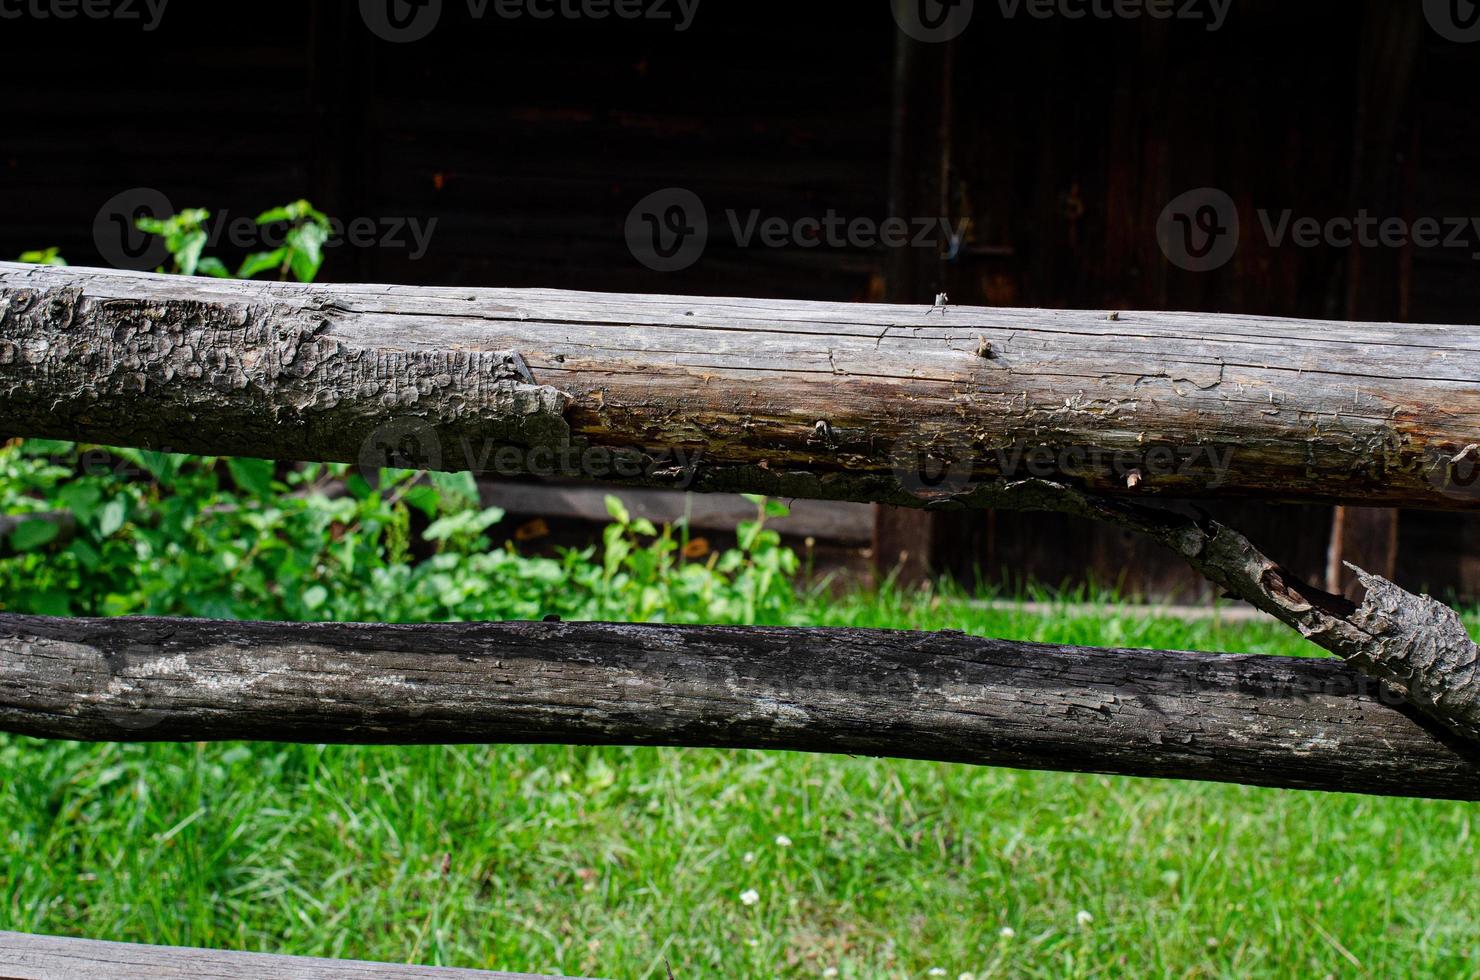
606 862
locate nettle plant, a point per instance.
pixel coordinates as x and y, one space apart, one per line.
300 256
186 234
161 534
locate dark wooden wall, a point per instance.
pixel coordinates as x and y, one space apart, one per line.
1061 141
1068 138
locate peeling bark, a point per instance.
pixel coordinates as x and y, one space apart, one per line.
1267 721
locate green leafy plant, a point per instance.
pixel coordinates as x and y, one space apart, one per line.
44 256
302 251
160 534
300 257
185 236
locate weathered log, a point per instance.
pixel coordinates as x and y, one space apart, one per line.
1268 721
25 957
869 403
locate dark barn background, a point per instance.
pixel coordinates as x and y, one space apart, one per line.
1061 141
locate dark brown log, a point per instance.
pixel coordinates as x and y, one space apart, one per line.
24 957
800 399
1268 721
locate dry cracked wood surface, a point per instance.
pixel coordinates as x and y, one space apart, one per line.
1268 721
832 401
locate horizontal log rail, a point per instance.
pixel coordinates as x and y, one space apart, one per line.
869 403
1266 721
25 957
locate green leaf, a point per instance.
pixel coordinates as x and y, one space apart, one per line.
81 499
259 262
187 257
617 511
214 267
89 556
459 485
252 475
30 535
314 597
115 512
45 256
775 508
425 499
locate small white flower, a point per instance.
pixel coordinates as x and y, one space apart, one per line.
967 976
1084 918
831 971
748 857
1007 932
750 896
937 971
782 840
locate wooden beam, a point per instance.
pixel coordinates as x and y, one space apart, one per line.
1267 721
848 524
869 403
25 957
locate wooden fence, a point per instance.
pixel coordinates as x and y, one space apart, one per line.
1105 415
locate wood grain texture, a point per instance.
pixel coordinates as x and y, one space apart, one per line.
24 957
814 400
1268 721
